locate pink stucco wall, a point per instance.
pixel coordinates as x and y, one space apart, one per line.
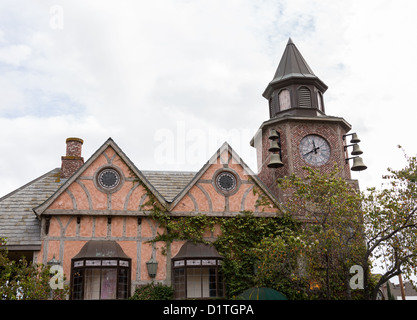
85 200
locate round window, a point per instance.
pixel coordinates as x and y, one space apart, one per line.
226 181
108 178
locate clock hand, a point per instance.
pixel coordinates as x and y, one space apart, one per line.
314 150
309 152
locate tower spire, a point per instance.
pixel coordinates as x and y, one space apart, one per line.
293 73
292 65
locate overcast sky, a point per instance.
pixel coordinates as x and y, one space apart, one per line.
171 80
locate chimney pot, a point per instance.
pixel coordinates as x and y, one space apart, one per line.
72 161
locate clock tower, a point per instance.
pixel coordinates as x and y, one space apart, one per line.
299 132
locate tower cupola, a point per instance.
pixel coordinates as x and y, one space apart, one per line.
295 89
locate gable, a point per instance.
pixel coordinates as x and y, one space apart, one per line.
205 194
90 189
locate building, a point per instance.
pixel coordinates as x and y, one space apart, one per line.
394 290
92 216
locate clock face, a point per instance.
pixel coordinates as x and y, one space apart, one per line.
315 150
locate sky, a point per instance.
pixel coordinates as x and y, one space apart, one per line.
171 80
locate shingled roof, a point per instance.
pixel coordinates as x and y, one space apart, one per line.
169 183
20 208
18 222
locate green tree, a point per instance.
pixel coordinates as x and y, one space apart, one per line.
390 221
330 206
240 247
280 266
25 281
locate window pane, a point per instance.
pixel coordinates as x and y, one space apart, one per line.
194 283
122 284
212 282
123 263
109 263
284 100
209 262
179 263
92 284
205 280
220 283
179 283
93 262
108 283
193 262
78 263
77 286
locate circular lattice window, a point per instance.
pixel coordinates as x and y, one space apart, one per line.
108 179
226 181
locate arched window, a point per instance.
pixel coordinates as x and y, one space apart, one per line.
101 270
304 97
320 101
197 272
284 100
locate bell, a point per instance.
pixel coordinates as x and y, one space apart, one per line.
273 134
355 138
358 164
275 161
273 146
356 150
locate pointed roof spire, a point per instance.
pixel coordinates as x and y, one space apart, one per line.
293 66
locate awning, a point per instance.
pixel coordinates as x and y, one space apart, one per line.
191 250
101 248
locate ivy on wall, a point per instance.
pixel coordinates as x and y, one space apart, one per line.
240 241
239 246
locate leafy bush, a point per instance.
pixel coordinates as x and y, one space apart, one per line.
21 280
153 291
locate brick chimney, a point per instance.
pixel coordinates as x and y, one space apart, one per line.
72 161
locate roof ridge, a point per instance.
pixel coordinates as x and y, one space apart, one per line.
109 143
168 171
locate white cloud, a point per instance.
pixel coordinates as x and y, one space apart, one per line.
128 69
14 55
